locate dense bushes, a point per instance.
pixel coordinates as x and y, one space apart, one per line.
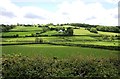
11 36
38 40
93 30
5 28
18 66
69 31
108 29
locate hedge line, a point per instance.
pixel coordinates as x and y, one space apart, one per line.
89 46
17 67
13 36
69 44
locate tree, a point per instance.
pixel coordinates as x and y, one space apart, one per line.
93 30
112 38
69 31
44 29
108 29
38 40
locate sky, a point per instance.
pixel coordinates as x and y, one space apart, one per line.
97 12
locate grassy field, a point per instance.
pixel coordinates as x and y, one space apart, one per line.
48 52
22 31
103 43
107 33
19 33
54 50
75 38
82 31
72 40
57 51
20 28
51 33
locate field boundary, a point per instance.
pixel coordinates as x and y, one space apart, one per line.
68 44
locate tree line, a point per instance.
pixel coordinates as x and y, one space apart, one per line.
5 28
115 29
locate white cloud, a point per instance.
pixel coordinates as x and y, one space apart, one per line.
74 11
112 1
20 13
78 11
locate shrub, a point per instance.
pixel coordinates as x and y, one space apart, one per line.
69 31
18 66
38 40
93 30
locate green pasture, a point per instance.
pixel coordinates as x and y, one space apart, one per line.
66 26
30 39
107 33
9 42
82 31
51 39
22 28
79 38
19 39
51 33
63 39
57 51
22 31
19 33
102 43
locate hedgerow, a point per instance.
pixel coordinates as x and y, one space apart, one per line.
17 66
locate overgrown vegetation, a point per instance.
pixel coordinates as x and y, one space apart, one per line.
17 66
93 30
5 28
108 29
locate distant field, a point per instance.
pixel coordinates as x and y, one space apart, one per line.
58 51
66 26
102 43
18 28
51 33
30 39
73 40
82 31
22 31
81 36
19 33
107 33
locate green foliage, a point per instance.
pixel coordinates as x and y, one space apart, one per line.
69 31
38 40
5 28
108 29
60 28
58 51
109 38
41 67
82 25
84 31
44 29
93 30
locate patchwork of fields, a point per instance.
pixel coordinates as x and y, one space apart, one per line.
80 36
40 51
